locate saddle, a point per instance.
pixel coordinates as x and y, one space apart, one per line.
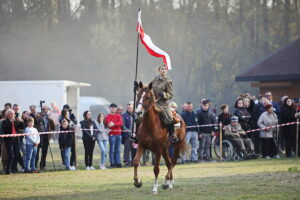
166 118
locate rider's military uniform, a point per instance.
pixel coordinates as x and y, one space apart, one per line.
163 91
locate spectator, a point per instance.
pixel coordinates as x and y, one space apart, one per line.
54 115
11 126
288 114
205 117
7 106
225 116
263 101
183 108
32 142
22 145
114 122
72 123
20 157
253 110
89 126
16 108
177 119
72 117
3 153
65 142
102 139
242 114
268 145
34 115
275 105
239 138
281 134
127 129
191 137
45 124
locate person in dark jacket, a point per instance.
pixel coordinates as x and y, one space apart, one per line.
127 129
88 138
205 117
243 115
190 119
288 114
11 126
65 142
45 124
225 116
253 110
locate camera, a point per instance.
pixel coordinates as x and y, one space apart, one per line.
41 103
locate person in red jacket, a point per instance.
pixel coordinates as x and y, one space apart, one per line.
114 122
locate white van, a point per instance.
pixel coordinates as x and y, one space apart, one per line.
94 104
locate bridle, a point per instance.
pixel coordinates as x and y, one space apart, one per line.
146 109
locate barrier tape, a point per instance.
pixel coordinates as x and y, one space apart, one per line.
74 130
271 127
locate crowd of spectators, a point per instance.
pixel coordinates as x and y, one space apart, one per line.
249 113
114 129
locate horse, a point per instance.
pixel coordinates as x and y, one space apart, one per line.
154 137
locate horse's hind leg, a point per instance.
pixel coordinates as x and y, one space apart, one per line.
169 175
136 162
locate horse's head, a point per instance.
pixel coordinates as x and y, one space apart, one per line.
145 97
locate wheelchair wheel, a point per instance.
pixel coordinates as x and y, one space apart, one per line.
216 146
227 148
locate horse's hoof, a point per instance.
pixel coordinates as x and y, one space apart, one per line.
165 186
154 192
138 184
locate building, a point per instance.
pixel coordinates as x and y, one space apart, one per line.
26 93
278 72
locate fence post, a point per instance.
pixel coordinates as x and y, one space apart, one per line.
75 148
297 137
221 147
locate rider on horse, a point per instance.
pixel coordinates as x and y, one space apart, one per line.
163 91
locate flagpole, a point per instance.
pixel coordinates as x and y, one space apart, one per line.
135 77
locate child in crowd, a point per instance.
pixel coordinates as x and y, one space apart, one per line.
32 142
65 142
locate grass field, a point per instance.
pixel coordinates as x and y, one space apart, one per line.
256 179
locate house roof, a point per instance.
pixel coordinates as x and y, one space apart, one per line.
284 64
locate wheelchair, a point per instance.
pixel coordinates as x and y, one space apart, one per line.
229 151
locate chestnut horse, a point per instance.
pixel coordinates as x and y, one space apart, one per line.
153 136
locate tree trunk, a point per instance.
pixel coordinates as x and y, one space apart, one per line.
297 14
286 20
265 26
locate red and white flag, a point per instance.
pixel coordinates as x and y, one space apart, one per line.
150 47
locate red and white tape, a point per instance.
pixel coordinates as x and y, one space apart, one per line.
269 127
70 131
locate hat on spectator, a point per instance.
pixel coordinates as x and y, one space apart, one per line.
268 106
113 105
234 119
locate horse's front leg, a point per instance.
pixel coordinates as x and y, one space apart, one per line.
136 163
156 172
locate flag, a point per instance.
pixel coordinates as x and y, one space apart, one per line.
150 47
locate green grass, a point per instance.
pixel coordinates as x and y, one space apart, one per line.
255 179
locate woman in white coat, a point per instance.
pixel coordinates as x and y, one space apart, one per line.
268 145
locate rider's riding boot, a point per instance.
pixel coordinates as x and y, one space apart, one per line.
133 137
172 136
